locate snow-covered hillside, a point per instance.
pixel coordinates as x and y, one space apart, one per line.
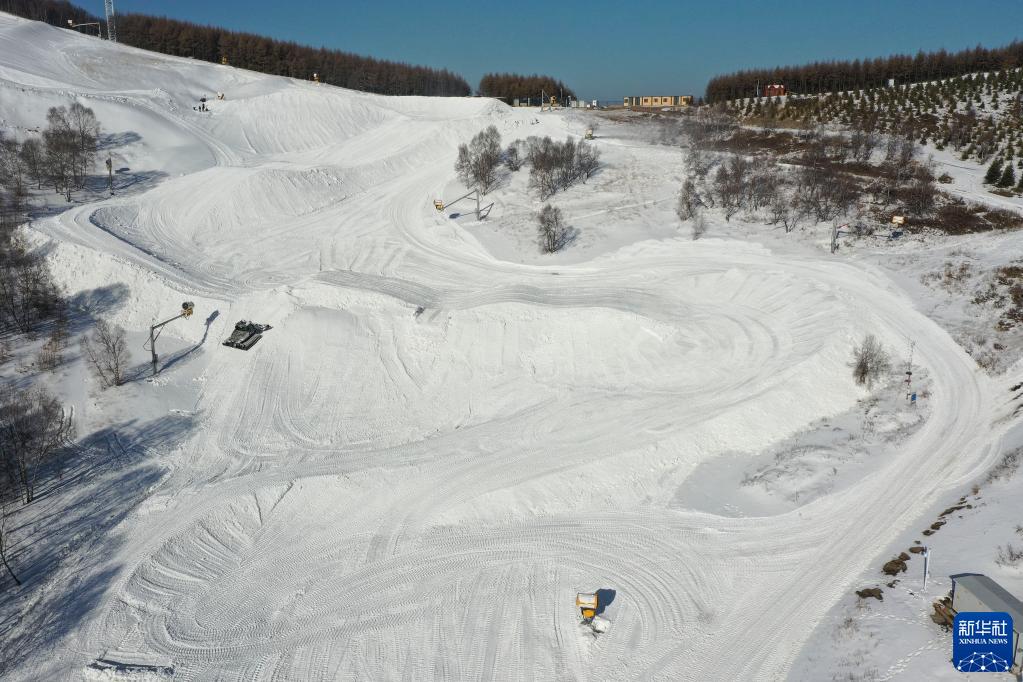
373 492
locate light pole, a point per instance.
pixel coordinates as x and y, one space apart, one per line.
99 30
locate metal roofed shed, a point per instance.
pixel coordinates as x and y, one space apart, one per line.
976 592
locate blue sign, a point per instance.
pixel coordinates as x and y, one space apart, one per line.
982 642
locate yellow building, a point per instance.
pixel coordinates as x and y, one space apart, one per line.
674 101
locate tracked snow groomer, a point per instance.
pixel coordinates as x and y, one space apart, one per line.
246 334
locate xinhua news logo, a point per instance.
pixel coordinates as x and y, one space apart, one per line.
982 642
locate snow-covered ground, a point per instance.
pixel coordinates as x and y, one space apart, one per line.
375 494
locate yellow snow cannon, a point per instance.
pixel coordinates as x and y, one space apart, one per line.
587 603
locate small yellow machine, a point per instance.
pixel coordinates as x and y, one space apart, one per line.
589 133
587 603
438 204
554 101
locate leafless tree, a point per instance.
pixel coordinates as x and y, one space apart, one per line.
34 429
763 185
61 152
551 228
34 157
28 294
699 225
824 193
689 201
871 361
785 211
107 353
920 194
478 161
512 156
13 193
5 512
587 160
699 162
85 129
730 183
565 169
485 155
463 165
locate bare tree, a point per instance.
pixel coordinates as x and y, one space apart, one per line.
556 165
699 225
61 152
28 294
485 156
784 211
34 157
34 429
870 361
551 228
587 160
920 194
565 169
543 160
5 512
85 130
463 165
689 201
13 193
512 157
730 183
107 353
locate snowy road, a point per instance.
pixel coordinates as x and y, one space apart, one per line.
370 494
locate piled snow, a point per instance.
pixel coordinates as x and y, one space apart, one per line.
371 493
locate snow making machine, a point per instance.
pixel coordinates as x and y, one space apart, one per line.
246 334
588 604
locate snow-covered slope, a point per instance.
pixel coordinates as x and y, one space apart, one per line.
376 494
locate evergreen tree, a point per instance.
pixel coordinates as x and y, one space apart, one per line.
1008 178
994 172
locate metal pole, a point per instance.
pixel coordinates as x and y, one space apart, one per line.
152 348
477 204
909 370
927 561
110 175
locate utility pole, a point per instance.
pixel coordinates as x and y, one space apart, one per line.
186 311
927 563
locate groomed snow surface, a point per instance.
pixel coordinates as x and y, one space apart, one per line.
374 494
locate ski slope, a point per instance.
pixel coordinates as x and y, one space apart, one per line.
371 494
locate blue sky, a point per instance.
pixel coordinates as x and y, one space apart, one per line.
605 50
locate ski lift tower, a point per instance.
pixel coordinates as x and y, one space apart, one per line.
108 7
187 308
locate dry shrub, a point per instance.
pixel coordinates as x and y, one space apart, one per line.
959 219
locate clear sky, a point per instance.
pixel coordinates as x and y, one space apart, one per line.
605 50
